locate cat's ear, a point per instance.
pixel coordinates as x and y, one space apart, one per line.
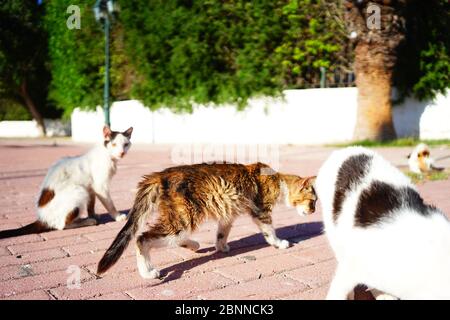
305 182
107 133
312 180
127 133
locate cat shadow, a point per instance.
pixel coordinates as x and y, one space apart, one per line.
294 233
32 146
103 218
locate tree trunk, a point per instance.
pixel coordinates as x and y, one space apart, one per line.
32 107
379 26
373 79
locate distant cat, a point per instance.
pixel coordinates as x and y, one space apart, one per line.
72 184
383 234
420 161
185 196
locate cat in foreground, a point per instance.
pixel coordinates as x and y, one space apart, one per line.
382 232
185 196
73 183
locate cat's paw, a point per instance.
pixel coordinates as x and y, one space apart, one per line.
149 274
386 296
91 222
283 244
121 217
94 216
225 248
380 295
192 245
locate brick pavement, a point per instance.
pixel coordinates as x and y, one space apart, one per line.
35 266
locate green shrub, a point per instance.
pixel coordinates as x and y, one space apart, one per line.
77 58
173 53
10 110
424 65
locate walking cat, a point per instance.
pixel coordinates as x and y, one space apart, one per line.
73 183
185 196
382 232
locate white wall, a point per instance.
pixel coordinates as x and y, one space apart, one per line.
29 129
25 129
87 125
311 116
424 119
435 121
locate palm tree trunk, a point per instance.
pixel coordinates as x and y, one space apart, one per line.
379 26
32 107
374 82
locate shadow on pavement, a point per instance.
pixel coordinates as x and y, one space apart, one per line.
295 234
104 218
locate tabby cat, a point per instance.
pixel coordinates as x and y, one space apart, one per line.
185 196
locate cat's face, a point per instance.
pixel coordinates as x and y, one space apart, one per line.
117 143
301 195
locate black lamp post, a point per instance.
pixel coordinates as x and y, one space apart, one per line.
105 11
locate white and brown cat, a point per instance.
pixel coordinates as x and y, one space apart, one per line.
420 160
381 231
72 185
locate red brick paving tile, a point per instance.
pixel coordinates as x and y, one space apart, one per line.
21 220
102 234
16 215
112 296
127 263
319 293
6 225
243 234
301 242
56 234
15 271
115 225
84 260
43 281
244 219
315 275
207 238
248 254
34 295
265 288
30 238
30 257
4 252
209 260
186 254
110 283
316 254
44 245
263 267
86 246
201 264
181 288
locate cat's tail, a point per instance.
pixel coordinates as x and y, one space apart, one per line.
35 227
145 198
436 168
